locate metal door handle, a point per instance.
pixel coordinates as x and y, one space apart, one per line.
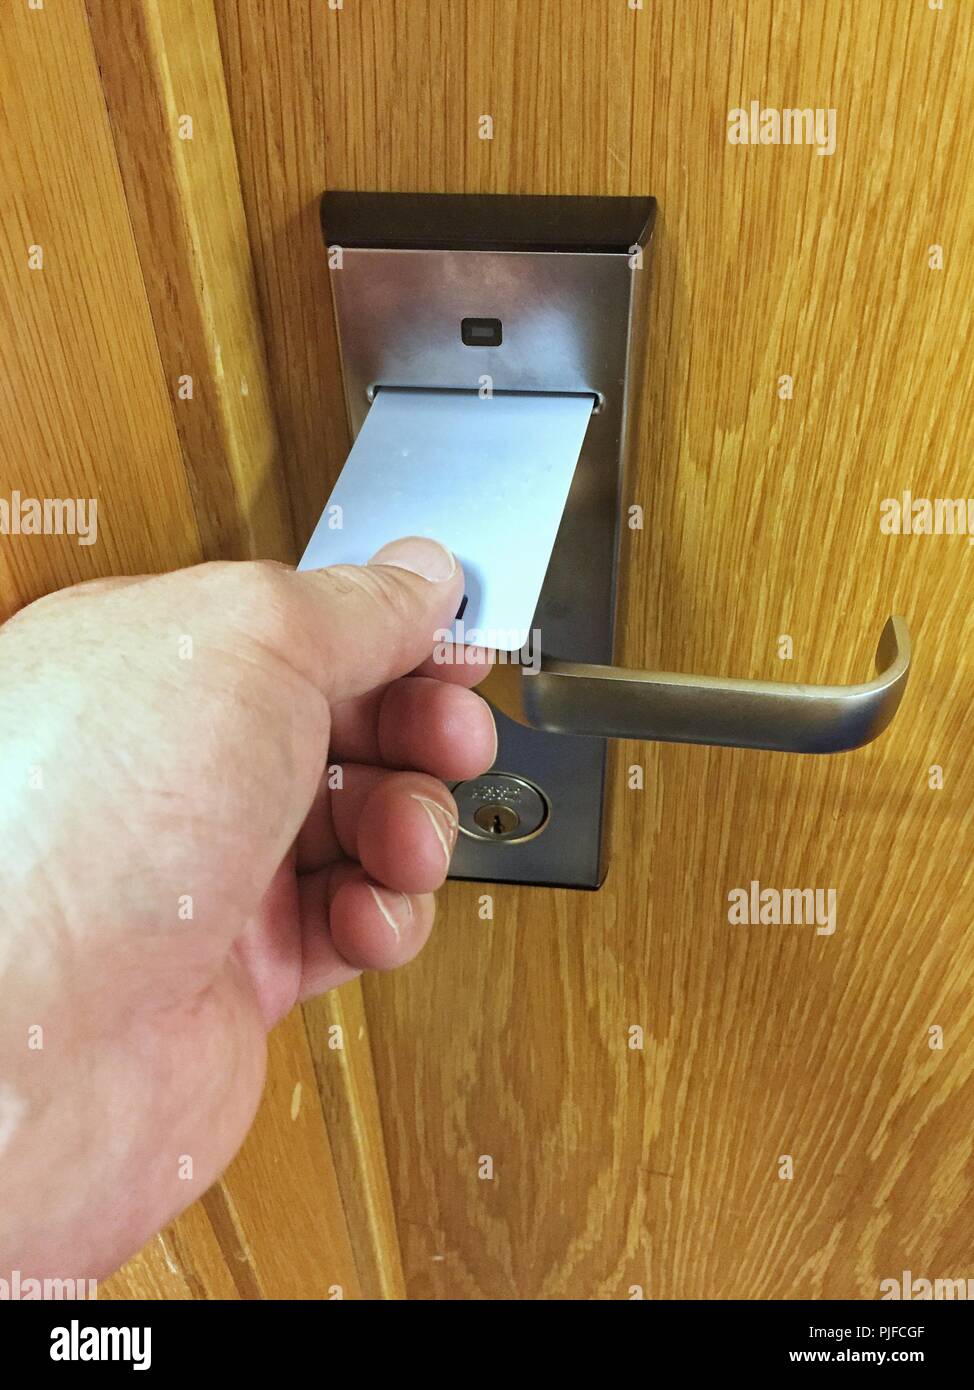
568 697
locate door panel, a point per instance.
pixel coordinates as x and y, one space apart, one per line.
659 1167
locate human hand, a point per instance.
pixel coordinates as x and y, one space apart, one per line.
178 872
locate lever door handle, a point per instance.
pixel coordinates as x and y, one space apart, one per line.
568 697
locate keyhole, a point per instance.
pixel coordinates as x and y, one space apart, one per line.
496 818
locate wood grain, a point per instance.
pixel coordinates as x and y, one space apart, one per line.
272 58
85 410
659 1168
340 1045
163 81
277 1211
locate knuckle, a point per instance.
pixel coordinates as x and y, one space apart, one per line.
384 588
251 595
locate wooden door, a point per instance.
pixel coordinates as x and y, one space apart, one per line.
796 1121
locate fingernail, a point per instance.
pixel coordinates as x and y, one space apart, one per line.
395 907
442 821
493 725
419 555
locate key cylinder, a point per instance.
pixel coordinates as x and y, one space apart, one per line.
500 807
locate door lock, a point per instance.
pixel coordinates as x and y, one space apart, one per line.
499 808
550 297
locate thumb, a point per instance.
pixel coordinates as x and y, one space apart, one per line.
369 624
